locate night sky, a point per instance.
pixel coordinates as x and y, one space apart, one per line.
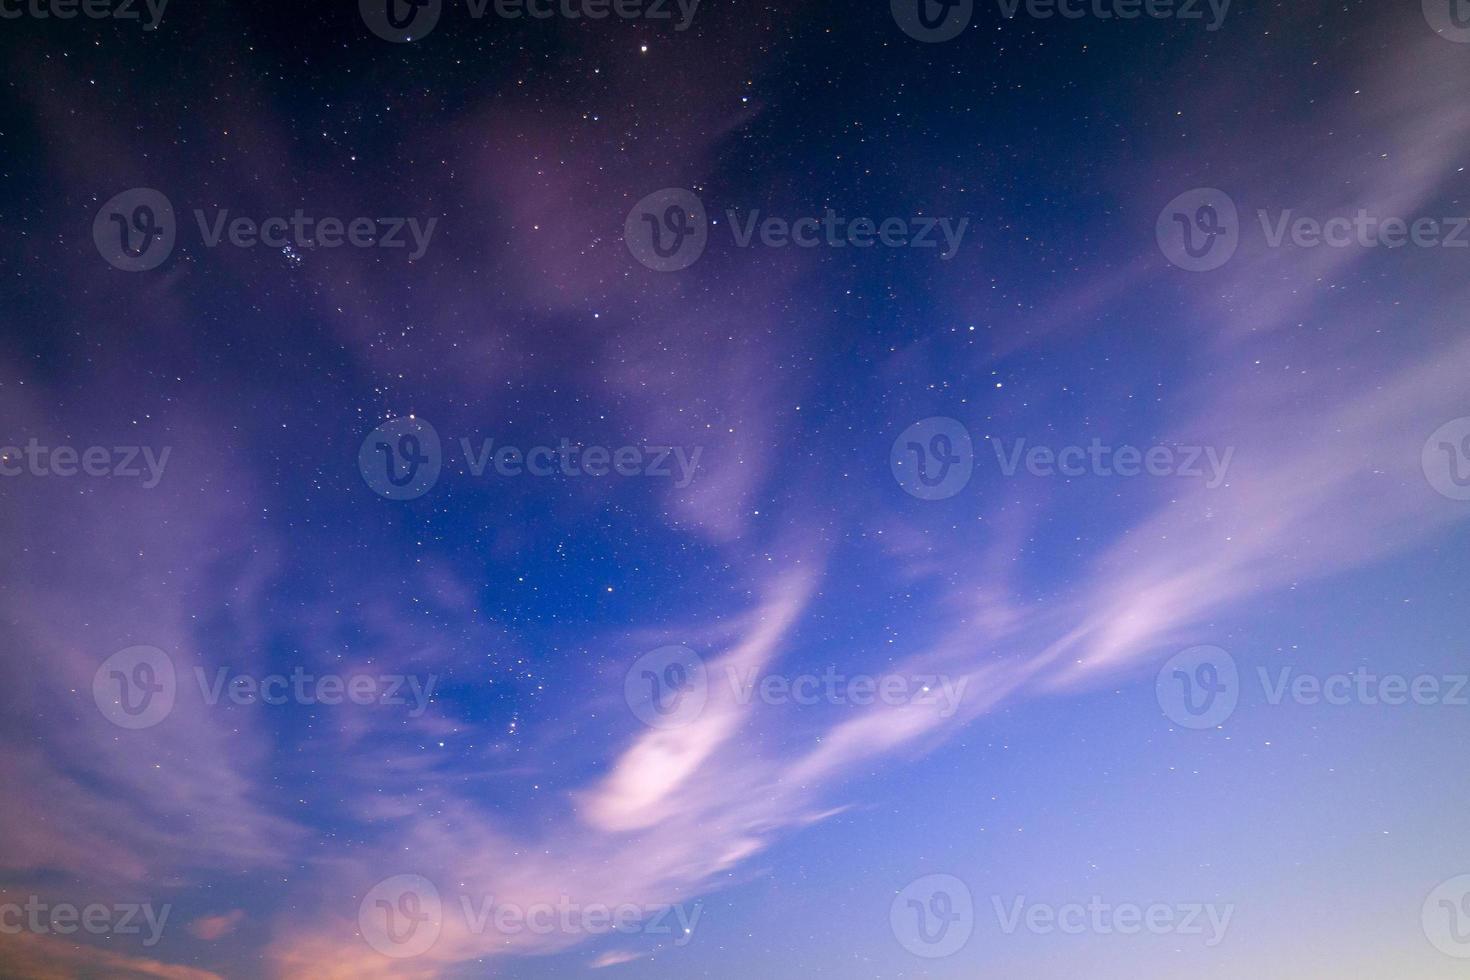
874 490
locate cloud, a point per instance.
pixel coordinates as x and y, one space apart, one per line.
615 958
34 957
128 807
212 927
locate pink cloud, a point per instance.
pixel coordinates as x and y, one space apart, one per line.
615 958
212 927
38 957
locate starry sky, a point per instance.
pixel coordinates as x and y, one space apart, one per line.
833 496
